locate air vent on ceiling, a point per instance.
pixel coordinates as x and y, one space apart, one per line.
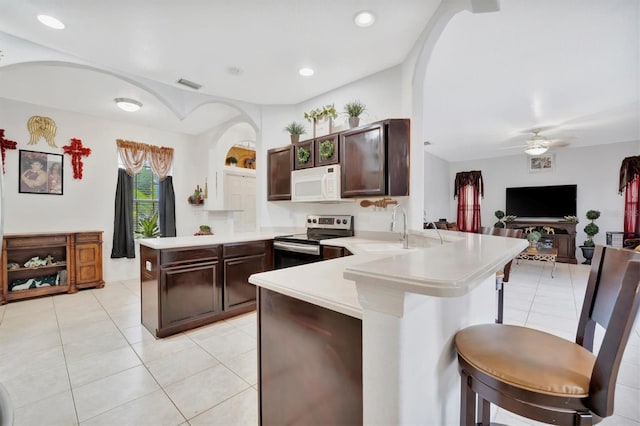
427 143
191 84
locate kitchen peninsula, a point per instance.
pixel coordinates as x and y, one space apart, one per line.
186 282
367 339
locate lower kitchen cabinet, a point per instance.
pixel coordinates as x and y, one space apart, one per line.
187 287
240 261
332 252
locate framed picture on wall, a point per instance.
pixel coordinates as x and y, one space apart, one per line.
40 173
541 163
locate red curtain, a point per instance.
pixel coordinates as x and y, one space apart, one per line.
632 206
469 208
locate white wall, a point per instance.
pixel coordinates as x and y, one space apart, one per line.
382 94
88 204
594 169
437 188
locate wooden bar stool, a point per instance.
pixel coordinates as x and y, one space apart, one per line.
544 377
502 276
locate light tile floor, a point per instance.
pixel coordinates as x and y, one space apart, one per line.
84 359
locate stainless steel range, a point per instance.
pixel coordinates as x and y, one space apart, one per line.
298 249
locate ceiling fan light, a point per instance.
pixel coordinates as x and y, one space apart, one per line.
129 105
536 150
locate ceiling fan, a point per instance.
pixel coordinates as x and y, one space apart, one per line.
538 145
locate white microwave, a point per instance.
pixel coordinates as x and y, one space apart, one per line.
316 184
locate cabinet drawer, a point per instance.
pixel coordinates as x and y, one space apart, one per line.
245 249
89 237
182 256
36 241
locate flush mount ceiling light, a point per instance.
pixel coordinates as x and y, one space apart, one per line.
306 72
364 19
129 105
51 22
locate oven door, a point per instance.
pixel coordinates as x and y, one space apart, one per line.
286 254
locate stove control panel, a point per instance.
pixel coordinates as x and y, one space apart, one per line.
330 222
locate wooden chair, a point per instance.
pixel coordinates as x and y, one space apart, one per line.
546 378
503 275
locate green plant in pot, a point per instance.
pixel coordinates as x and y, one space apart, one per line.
533 237
232 161
500 215
295 129
148 226
354 109
591 229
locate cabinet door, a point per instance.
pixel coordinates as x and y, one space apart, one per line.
566 245
237 289
332 252
303 155
279 165
88 264
188 292
362 155
326 150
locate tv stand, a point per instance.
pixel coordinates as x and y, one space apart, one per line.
564 235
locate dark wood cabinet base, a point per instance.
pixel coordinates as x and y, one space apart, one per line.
309 363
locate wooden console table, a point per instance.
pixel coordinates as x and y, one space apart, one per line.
542 255
65 262
564 236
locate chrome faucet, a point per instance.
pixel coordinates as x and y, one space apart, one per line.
404 235
437 230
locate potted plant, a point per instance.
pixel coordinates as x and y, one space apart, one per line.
295 129
148 226
533 237
353 109
590 229
326 112
499 214
231 161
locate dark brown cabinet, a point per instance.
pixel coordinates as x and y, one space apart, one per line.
303 155
332 252
240 261
564 236
184 288
279 166
326 150
72 261
375 159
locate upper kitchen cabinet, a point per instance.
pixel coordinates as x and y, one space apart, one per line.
279 166
303 155
375 159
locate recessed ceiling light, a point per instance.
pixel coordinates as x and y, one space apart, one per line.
129 105
306 72
364 19
51 22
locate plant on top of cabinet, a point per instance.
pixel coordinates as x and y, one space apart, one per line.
295 129
354 109
326 111
231 161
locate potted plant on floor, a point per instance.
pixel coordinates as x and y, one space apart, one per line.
590 229
295 129
354 109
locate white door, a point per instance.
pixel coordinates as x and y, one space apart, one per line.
240 195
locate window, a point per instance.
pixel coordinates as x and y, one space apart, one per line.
146 195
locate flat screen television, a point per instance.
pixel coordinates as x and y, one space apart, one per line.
542 201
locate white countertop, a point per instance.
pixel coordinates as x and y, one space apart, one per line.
442 270
204 240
